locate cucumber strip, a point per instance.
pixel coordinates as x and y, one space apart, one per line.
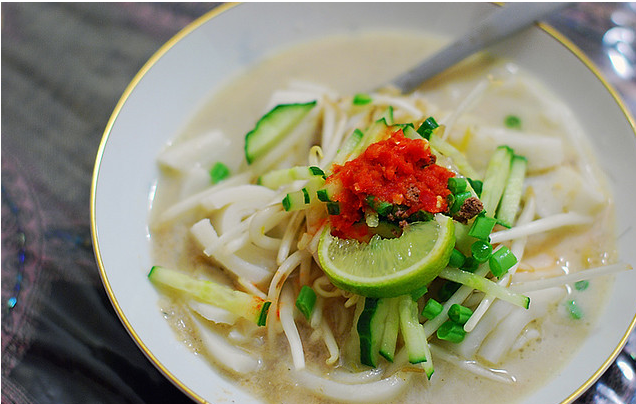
276 178
448 150
485 285
412 331
348 146
387 115
240 303
305 197
511 197
375 132
371 330
495 179
391 329
329 190
272 127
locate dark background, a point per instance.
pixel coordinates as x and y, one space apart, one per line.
64 67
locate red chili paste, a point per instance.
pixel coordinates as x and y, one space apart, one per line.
398 170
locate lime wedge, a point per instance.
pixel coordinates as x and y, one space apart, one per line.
389 267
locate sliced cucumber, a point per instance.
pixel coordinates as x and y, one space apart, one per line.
240 303
495 179
413 332
513 190
305 197
391 329
272 127
276 178
371 330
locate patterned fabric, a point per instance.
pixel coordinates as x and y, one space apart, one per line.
64 66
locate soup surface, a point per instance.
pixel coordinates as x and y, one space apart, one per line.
489 93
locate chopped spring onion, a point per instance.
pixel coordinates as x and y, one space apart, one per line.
451 331
512 122
458 201
581 285
426 128
457 259
481 250
418 293
457 185
459 314
482 227
574 310
361 99
447 290
501 261
219 172
477 185
306 300
470 265
432 309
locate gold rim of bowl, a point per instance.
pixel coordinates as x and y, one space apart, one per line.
182 34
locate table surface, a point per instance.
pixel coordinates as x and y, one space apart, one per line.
64 67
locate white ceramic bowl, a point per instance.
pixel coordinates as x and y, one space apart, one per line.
189 68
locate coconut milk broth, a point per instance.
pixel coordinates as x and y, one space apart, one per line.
359 63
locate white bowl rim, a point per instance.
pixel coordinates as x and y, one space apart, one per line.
552 32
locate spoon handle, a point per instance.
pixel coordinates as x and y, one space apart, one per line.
500 24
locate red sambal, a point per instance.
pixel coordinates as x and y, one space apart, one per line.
398 170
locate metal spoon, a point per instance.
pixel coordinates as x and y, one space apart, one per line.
500 24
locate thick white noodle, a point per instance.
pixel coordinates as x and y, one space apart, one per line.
379 391
204 234
562 280
239 193
286 310
286 268
262 222
540 226
502 338
193 202
498 375
225 354
473 340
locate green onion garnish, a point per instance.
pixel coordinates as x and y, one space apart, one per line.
574 309
470 265
447 290
457 184
501 261
457 259
306 300
333 208
426 128
581 285
219 172
481 250
512 122
361 99
482 227
451 331
458 201
432 309
418 293
459 314
477 185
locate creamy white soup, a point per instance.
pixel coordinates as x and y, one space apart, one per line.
241 229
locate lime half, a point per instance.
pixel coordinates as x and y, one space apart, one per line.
389 267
